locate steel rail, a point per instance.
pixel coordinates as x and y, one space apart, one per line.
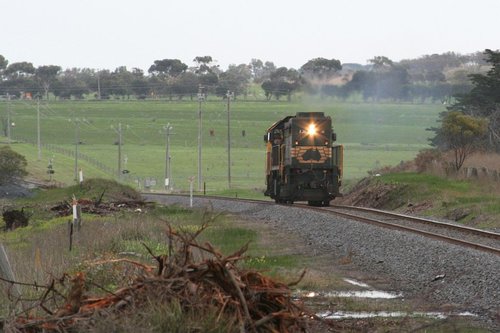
334 210
479 232
399 227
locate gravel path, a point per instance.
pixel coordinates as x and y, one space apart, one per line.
435 272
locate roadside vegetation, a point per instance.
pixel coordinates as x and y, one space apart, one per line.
425 187
106 244
39 253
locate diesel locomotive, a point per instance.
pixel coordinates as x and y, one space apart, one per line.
302 163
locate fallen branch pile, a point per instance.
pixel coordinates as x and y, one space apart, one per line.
65 208
246 298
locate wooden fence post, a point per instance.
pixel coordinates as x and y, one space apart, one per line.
76 224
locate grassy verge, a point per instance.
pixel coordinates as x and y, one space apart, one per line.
474 203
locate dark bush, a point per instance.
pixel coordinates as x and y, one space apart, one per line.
15 218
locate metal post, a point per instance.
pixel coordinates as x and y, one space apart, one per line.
119 150
38 141
50 168
77 141
200 99
168 171
98 87
229 95
8 120
191 180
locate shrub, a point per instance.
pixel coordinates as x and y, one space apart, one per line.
12 165
428 159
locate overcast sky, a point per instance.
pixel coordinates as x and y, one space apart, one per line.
110 33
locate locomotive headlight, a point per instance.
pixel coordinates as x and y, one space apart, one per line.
311 130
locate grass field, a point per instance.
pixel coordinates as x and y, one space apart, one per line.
374 135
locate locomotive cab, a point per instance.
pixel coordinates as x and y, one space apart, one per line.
301 163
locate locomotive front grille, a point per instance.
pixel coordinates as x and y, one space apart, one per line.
311 154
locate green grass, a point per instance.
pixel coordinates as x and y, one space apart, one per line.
480 200
229 239
373 135
427 185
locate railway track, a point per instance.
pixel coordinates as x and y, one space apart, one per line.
481 240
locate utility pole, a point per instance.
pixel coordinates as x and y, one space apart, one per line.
38 141
201 98
229 95
168 170
119 150
8 120
77 142
98 86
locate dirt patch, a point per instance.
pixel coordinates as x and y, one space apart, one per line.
458 214
416 208
65 208
369 193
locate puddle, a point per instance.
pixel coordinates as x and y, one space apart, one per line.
372 294
356 283
385 314
353 293
364 294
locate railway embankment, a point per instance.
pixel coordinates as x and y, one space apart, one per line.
472 203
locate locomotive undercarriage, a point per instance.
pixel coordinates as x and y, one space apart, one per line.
316 186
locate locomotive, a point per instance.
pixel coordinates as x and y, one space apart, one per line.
302 163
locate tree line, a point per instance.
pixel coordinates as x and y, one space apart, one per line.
429 78
472 122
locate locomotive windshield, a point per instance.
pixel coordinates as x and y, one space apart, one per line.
312 132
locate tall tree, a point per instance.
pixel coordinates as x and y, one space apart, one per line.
20 69
207 72
321 68
381 62
139 85
46 76
168 67
164 73
185 84
73 83
203 63
319 71
484 98
257 68
461 134
3 64
282 82
235 78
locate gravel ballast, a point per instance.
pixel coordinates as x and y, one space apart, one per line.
436 272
